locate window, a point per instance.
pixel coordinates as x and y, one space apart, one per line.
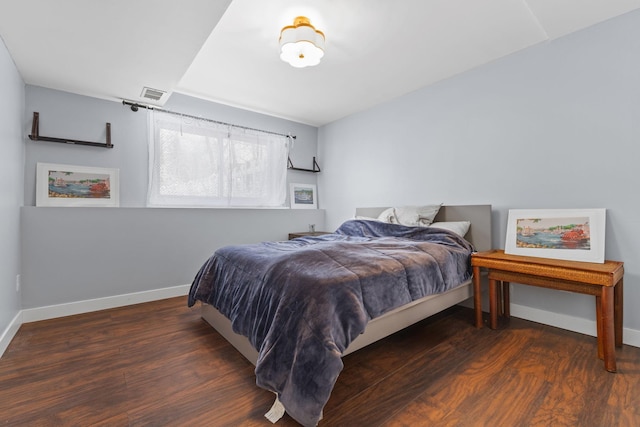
200 163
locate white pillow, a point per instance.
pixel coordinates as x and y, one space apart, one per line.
459 227
416 216
388 215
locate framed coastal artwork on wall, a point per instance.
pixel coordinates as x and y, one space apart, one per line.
304 196
70 185
569 234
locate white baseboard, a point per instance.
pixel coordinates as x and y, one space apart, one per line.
575 324
10 332
78 307
86 306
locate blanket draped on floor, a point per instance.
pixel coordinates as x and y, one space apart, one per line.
301 302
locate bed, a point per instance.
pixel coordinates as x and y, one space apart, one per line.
302 367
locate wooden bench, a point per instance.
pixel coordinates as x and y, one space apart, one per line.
604 281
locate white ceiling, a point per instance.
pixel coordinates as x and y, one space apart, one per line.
227 50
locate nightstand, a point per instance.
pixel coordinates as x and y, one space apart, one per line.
307 234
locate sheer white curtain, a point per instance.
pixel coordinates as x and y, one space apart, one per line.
199 163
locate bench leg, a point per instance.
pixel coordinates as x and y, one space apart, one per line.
599 329
617 312
493 303
477 297
506 300
608 328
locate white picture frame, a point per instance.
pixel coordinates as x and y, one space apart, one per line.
567 234
72 185
304 196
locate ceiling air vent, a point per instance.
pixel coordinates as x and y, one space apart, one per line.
154 94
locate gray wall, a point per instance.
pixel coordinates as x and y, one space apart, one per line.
554 126
11 172
75 254
102 252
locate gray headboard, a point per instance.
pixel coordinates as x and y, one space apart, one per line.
480 216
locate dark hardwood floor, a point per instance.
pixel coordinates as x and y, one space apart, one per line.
159 364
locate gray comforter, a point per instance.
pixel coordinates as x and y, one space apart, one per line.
301 302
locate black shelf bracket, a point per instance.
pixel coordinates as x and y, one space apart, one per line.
35 135
316 167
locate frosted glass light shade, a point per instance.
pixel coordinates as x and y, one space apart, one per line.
301 45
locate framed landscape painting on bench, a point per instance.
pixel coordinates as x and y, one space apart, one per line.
569 234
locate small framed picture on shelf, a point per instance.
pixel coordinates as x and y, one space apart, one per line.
568 234
304 196
70 185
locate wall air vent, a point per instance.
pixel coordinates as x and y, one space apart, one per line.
154 94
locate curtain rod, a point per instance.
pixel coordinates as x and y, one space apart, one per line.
135 106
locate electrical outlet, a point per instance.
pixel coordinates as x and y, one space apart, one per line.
17 283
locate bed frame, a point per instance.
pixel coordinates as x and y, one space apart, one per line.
479 235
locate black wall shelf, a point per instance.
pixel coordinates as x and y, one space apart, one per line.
35 135
316 167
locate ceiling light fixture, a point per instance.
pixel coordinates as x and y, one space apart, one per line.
301 45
